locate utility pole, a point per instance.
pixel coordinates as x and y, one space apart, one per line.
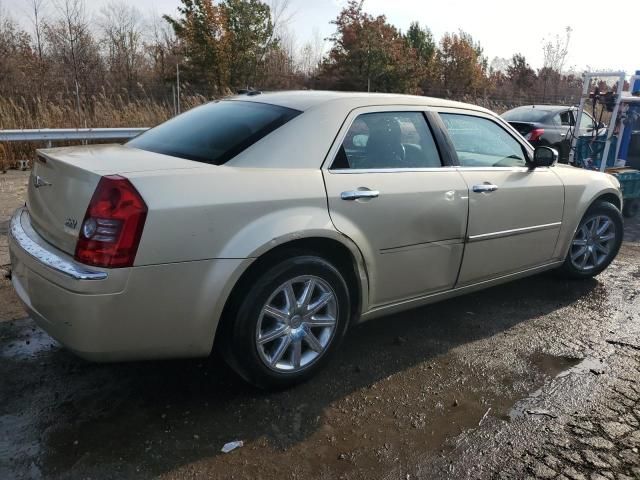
77 100
178 86
173 96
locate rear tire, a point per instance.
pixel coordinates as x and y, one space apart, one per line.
596 242
631 208
288 324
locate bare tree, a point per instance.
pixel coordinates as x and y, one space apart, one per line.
499 64
311 54
70 37
37 10
16 58
122 31
161 47
555 53
556 50
281 14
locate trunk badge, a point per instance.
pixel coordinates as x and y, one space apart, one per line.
38 182
71 223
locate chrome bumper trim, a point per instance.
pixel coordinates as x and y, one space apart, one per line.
47 258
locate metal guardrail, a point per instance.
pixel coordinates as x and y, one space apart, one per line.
67 134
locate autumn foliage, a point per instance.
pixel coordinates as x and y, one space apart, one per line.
118 67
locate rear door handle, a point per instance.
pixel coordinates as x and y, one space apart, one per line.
485 187
357 194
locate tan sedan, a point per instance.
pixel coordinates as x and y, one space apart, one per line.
266 225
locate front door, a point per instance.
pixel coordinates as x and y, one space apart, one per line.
515 213
388 190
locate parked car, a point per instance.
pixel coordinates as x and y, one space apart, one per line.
264 226
550 125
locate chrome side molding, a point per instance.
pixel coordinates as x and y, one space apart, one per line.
515 231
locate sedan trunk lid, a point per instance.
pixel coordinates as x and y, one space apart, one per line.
523 128
63 181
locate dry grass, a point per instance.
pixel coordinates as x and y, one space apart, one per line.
113 111
98 111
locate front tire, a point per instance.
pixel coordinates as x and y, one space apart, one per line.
596 242
289 324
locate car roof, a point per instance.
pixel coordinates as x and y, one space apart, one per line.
304 100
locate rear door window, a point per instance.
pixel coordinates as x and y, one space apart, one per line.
565 119
586 122
216 132
388 140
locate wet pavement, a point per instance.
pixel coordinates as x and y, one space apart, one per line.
537 378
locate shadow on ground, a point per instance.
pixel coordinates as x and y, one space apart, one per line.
67 415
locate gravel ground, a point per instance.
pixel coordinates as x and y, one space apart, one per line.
537 378
13 187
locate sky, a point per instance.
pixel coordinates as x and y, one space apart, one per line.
601 40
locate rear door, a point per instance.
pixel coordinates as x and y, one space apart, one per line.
391 191
587 124
565 122
514 214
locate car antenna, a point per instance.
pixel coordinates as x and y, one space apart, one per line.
249 92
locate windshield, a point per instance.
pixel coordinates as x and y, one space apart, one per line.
525 115
216 132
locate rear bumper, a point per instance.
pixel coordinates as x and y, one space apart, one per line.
139 313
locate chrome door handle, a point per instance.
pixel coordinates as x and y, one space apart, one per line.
356 194
485 187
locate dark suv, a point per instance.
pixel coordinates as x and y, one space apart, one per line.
550 125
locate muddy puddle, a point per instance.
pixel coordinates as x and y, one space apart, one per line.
554 367
391 422
395 396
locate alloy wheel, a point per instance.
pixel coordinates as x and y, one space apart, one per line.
296 324
593 243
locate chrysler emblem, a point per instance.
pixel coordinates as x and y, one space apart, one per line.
38 182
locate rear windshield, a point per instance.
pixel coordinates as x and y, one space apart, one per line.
525 115
216 132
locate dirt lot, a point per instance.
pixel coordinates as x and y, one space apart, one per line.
538 378
12 195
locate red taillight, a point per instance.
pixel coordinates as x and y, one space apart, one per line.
535 134
112 226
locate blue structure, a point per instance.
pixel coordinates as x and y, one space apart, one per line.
632 121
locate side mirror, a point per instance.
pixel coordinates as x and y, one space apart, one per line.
544 157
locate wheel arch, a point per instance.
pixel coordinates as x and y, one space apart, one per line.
608 197
582 206
338 250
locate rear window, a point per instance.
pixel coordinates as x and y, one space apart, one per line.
526 115
216 132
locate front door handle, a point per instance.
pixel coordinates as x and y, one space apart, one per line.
357 194
485 187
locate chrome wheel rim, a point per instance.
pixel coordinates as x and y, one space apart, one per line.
593 243
296 324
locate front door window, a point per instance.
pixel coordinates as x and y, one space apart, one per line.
480 142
